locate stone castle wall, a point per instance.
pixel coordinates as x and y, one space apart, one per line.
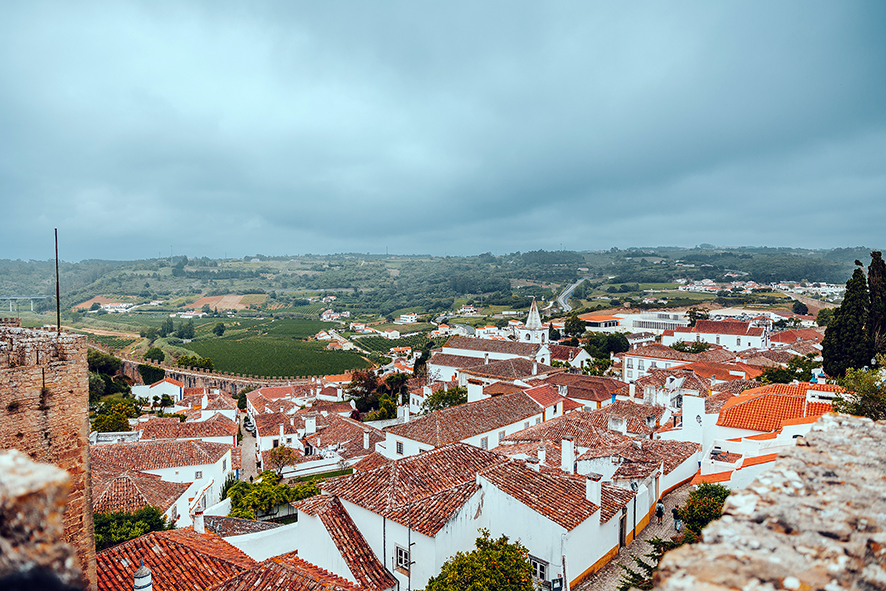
44 401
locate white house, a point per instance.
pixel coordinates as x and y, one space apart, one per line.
447 495
733 335
173 388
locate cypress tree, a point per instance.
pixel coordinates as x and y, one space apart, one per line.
877 289
846 341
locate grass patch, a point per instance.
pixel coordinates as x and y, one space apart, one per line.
275 357
323 475
383 345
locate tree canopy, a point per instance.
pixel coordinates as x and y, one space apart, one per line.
866 394
115 528
574 326
798 368
846 342
444 398
800 308
248 499
496 565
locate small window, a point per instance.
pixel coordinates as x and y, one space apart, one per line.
400 447
526 425
738 341
501 435
484 443
537 420
652 365
718 339
289 440
198 475
539 568
639 364
224 465
276 443
630 362
403 558
630 374
555 408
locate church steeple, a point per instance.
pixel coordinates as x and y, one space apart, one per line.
534 320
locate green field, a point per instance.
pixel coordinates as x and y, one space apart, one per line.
111 342
270 357
383 345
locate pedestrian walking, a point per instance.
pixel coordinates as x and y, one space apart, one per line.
678 523
659 510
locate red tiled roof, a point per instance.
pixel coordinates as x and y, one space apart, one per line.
559 498
131 491
800 334
231 526
350 542
564 352
483 345
501 388
170 428
168 381
457 423
155 455
531 449
286 572
347 435
450 360
591 388
384 490
724 327
511 369
722 371
180 560
764 408
585 427
370 462
545 395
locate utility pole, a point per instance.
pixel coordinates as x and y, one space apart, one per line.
58 301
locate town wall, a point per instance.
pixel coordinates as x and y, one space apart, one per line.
44 400
815 520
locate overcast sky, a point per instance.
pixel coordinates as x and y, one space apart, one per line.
234 128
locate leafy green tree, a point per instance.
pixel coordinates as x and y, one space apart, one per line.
219 329
165 401
110 423
865 396
115 528
574 326
282 456
387 409
496 565
195 361
799 369
554 334
185 330
96 387
241 401
151 374
691 347
444 398
265 495
102 363
155 354
877 291
363 389
695 314
824 316
846 342
166 328
704 505
800 308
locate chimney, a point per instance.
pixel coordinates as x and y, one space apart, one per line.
292 422
567 455
542 453
486 359
199 526
618 424
533 464
205 401
594 489
365 439
310 425
142 578
406 409
281 430
534 367
562 390
632 389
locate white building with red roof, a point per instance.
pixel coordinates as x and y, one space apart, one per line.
398 523
173 388
733 335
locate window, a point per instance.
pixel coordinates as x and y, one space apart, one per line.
555 409
537 420
630 362
289 440
539 568
224 465
276 443
652 365
630 374
400 447
738 341
526 425
639 364
501 435
484 443
718 339
403 558
198 475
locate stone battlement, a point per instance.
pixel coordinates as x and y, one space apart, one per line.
27 347
11 322
815 520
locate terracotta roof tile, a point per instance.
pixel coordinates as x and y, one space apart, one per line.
457 423
511 369
711 478
351 544
373 460
286 572
759 460
764 408
166 428
451 360
482 345
180 560
155 455
347 435
231 526
131 491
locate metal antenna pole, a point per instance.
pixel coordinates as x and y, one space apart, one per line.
58 301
